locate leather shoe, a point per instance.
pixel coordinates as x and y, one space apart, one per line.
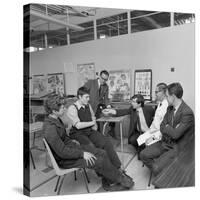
124 173
114 187
126 182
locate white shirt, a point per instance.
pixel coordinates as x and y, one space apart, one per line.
159 115
143 123
176 108
99 84
154 130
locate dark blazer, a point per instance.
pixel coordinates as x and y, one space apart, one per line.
176 134
182 169
63 148
95 98
148 114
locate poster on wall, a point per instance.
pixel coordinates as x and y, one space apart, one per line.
119 85
143 83
85 72
39 85
56 83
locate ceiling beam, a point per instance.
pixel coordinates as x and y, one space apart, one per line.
56 21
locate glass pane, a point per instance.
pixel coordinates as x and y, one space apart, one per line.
113 18
112 29
183 18
155 21
136 13
81 36
123 27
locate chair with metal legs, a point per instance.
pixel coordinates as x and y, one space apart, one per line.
150 176
61 173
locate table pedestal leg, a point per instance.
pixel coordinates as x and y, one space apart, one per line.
122 144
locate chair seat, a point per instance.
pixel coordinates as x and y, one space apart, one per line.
62 171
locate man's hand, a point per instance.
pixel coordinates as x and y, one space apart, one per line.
76 142
89 158
93 122
149 140
95 127
109 111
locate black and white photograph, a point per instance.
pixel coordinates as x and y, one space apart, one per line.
108 102
137 136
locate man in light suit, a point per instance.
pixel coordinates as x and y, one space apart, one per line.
176 128
153 134
98 92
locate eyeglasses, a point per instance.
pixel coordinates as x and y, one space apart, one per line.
134 100
158 91
105 79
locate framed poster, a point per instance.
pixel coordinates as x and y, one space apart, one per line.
56 83
119 84
143 83
39 84
85 72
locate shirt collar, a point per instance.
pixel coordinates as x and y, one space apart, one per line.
99 84
176 108
79 106
164 101
139 109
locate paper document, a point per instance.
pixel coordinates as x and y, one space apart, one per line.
156 136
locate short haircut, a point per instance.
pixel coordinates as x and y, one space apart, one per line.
162 87
104 72
140 99
176 89
82 90
53 102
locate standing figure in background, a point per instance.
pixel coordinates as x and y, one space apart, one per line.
98 91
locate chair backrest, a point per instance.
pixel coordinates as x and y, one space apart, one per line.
54 163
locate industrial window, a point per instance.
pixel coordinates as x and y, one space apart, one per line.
148 20
112 26
82 36
183 18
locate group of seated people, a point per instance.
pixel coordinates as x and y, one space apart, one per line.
157 135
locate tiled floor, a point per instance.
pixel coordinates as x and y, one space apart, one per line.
43 173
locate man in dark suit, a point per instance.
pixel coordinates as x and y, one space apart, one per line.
98 92
176 128
141 117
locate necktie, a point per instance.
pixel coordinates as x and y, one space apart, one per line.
138 122
173 112
100 89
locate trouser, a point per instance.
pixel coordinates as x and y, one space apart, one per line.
99 141
102 166
157 156
133 140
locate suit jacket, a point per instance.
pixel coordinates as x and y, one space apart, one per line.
148 114
95 97
177 133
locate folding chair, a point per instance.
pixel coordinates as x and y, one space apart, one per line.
61 173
